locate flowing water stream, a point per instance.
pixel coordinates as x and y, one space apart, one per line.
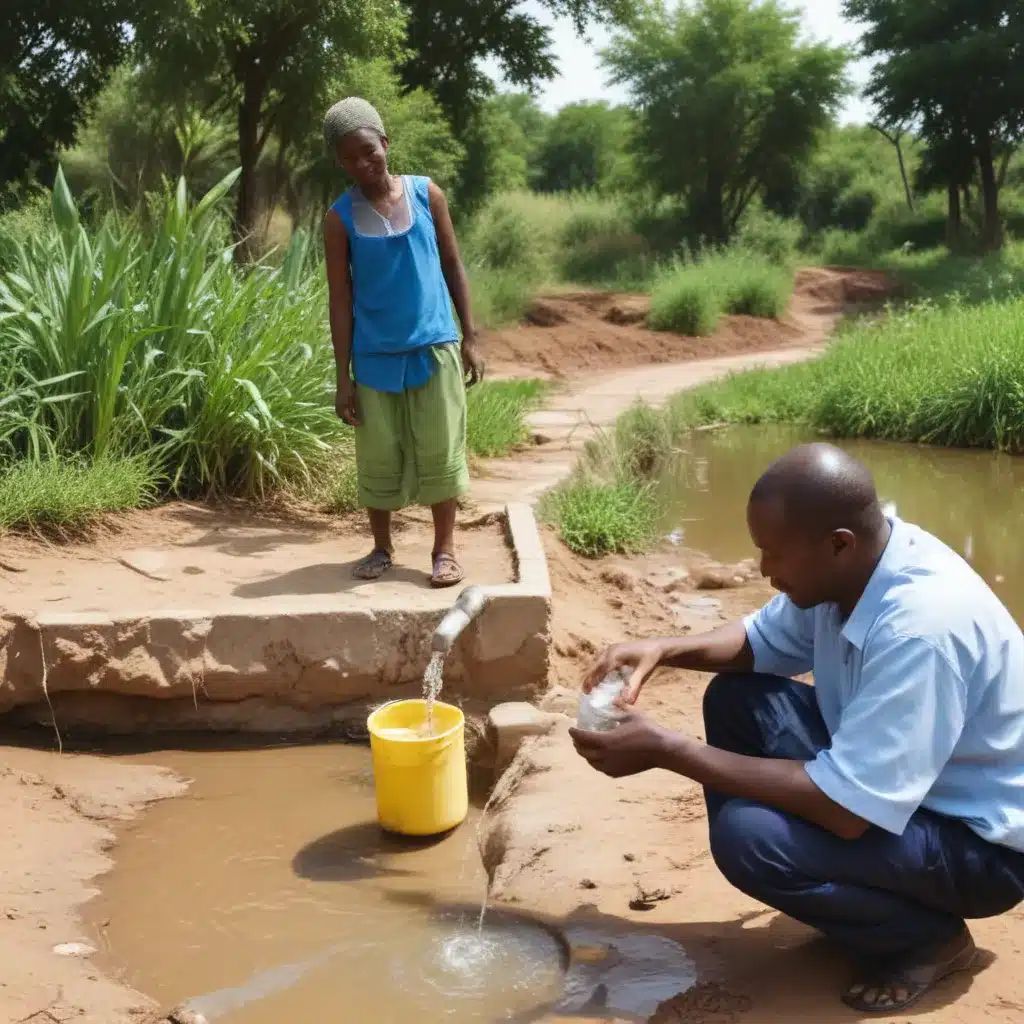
969 499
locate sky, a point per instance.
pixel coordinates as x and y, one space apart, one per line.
582 77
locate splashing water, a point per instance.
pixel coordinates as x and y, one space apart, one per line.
433 679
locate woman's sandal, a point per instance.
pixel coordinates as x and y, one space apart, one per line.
373 566
893 990
446 571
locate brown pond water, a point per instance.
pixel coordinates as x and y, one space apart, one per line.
971 500
269 894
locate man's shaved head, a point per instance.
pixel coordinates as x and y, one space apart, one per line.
821 487
816 519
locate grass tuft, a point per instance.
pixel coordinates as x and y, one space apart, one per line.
69 496
497 412
596 519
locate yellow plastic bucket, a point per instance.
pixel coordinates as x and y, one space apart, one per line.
421 783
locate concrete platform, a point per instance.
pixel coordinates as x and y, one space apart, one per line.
273 655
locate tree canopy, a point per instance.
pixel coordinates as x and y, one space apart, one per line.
272 61
448 40
954 69
55 57
584 147
729 99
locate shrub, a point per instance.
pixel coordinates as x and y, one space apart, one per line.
596 519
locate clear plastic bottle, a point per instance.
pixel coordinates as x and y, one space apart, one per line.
598 711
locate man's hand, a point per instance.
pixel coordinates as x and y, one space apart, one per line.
345 402
636 745
642 656
472 363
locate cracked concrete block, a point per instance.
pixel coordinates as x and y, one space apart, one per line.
510 724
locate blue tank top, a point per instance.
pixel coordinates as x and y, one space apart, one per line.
400 302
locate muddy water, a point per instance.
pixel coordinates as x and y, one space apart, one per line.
971 500
268 894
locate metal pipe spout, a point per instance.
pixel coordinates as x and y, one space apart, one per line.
468 605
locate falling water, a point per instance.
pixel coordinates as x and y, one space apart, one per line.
432 681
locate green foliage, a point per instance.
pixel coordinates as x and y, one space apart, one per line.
946 373
584 148
68 495
54 59
271 60
749 106
765 234
497 412
449 41
596 519
925 56
498 150
24 222
120 341
691 297
134 141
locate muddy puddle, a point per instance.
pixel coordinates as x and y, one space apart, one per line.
969 499
269 894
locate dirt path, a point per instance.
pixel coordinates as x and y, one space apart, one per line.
590 401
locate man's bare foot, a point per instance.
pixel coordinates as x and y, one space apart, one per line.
896 988
373 566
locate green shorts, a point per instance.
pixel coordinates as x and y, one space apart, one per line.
411 445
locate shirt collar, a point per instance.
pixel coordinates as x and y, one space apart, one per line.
865 612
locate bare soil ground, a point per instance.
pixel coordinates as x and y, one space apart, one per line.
192 556
576 334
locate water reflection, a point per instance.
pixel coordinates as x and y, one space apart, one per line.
967 498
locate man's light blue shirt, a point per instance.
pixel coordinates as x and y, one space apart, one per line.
921 688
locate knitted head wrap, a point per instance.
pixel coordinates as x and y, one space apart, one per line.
349 116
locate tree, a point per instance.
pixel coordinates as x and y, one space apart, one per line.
955 70
55 57
729 98
500 139
271 60
449 39
583 148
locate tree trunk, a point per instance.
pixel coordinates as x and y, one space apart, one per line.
992 227
248 154
955 219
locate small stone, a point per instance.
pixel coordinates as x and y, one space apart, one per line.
629 857
509 724
541 439
588 883
715 578
619 579
81 949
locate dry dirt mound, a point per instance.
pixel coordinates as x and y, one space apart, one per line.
580 332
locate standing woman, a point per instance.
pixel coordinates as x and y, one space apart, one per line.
394 272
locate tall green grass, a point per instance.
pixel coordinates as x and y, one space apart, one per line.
496 415
691 297
948 374
141 336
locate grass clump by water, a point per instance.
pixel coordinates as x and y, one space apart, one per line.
691 297
949 375
595 518
68 496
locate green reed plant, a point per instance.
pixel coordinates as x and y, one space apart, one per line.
142 336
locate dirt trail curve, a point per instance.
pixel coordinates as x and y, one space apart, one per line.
608 334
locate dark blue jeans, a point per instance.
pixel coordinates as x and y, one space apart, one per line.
880 894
